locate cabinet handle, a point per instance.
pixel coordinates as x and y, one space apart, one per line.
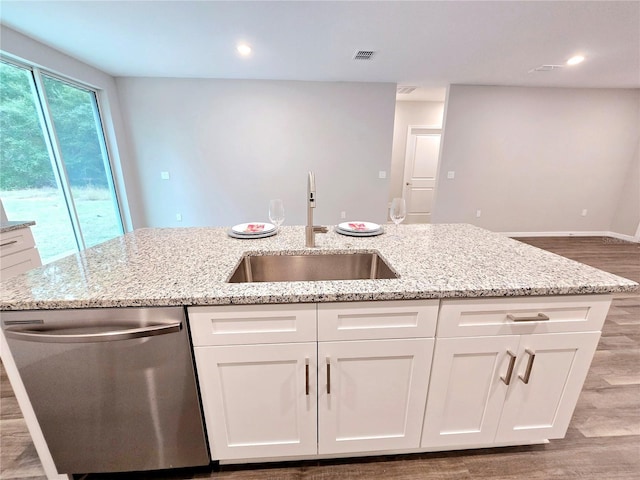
306 376
541 317
507 378
527 373
5 244
328 376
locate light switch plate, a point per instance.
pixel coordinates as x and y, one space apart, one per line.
451 175
382 174
164 175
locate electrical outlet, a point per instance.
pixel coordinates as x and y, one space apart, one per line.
164 175
343 215
179 217
382 174
451 175
478 213
584 212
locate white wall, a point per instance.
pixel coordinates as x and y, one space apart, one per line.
531 159
23 48
409 113
231 145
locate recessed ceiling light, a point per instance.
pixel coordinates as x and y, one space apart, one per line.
575 60
243 49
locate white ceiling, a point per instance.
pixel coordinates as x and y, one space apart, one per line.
428 44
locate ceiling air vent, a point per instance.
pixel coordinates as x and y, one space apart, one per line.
363 55
404 90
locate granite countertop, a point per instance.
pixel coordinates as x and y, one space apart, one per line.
15 225
190 266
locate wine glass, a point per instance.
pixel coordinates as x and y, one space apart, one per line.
276 212
398 212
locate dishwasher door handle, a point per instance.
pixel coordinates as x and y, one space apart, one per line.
108 336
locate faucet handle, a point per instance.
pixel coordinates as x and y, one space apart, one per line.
311 190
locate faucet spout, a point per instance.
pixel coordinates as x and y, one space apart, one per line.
310 230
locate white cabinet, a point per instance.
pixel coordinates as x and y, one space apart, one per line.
258 388
302 398
337 379
259 400
466 394
373 384
372 394
519 386
540 406
18 252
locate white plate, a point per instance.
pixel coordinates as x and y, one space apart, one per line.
253 236
359 227
253 228
359 234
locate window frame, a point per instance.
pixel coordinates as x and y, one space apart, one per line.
53 146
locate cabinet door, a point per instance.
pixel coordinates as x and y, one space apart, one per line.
466 393
20 262
256 400
372 394
542 408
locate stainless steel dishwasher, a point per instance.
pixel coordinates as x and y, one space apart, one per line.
113 389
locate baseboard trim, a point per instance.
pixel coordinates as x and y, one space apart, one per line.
619 236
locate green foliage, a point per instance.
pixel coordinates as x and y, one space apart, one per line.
72 110
24 158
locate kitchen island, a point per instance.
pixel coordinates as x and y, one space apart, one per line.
439 324
190 266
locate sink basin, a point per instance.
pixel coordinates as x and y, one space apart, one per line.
293 268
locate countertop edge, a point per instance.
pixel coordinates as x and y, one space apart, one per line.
314 298
15 225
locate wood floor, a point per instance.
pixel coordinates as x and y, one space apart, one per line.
603 441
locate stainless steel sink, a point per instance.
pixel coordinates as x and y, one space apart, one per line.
293 268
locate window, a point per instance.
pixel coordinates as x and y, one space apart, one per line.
54 165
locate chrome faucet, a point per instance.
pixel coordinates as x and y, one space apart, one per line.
310 230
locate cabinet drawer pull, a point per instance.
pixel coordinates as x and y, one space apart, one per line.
527 373
507 378
306 376
541 317
6 244
328 376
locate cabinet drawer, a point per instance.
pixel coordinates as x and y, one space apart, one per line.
15 241
248 324
377 320
522 315
19 262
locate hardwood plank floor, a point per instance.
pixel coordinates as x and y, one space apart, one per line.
603 441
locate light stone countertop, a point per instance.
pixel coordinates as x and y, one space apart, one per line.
15 225
190 266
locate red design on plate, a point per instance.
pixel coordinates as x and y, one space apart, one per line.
254 228
358 226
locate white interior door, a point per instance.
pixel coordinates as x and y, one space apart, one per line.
420 172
